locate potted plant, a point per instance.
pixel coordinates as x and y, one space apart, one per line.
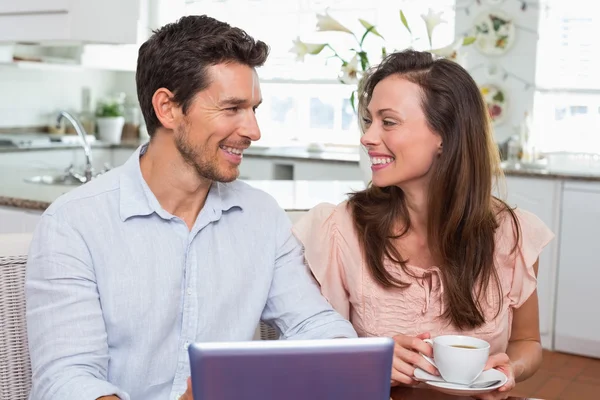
110 119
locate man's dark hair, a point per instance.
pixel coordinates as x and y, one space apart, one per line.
176 57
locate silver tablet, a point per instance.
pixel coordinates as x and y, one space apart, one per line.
348 369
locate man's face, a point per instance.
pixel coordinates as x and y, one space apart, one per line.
221 122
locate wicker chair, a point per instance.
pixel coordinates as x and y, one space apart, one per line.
266 332
15 367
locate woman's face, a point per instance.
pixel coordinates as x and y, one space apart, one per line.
401 145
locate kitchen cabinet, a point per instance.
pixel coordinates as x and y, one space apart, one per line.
326 170
152 14
17 220
120 155
541 197
578 294
260 168
256 168
58 159
69 21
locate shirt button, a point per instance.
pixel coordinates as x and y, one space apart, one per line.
186 345
189 291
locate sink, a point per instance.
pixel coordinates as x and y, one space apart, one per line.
54 180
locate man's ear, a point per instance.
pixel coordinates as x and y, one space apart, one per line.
166 110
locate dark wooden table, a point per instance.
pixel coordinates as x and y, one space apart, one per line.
428 394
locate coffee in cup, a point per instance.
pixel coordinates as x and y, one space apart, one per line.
460 359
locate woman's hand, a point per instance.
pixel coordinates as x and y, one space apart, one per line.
407 357
502 363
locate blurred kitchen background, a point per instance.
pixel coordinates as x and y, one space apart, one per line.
536 62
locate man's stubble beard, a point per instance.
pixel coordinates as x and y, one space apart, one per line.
207 169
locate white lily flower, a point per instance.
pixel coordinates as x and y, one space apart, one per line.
432 19
350 71
301 49
449 51
327 23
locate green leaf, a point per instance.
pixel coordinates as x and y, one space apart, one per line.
352 100
469 40
364 60
383 52
370 28
404 21
499 97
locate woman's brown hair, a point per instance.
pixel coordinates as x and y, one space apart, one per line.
463 215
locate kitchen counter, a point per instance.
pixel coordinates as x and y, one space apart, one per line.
338 155
335 154
291 195
543 172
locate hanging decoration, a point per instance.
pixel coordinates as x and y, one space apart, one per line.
524 5
496 100
495 33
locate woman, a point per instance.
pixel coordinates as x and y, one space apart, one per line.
427 250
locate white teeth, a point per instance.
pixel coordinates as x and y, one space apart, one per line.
381 160
232 150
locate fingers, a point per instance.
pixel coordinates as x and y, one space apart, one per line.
508 386
402 372
497 360
414 359
414 343
425 335
188 393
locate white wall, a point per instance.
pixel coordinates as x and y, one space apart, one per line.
31 97
519 60
125 81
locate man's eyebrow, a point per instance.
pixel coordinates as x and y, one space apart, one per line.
232 101
236 101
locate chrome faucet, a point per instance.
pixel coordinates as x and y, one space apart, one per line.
88 172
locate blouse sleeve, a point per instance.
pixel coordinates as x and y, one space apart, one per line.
534 236
319 235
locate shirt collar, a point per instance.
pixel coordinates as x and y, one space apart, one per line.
136 198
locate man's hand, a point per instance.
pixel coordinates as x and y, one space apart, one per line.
188 393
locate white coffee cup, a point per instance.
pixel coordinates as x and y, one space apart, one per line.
460 359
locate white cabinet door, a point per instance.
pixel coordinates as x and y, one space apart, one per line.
256 168
541 197
578 295
326 170
51 159
16 220
33 6
74 21
120 156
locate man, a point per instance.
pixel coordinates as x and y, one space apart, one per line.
128 270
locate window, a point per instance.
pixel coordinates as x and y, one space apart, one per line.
304 102
567 102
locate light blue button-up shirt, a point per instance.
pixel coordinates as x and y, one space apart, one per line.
117 287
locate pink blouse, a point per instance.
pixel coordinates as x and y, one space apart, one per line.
334 257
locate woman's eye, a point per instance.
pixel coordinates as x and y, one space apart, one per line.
388 123
366 121
233 109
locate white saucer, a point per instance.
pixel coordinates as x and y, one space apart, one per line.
438 383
